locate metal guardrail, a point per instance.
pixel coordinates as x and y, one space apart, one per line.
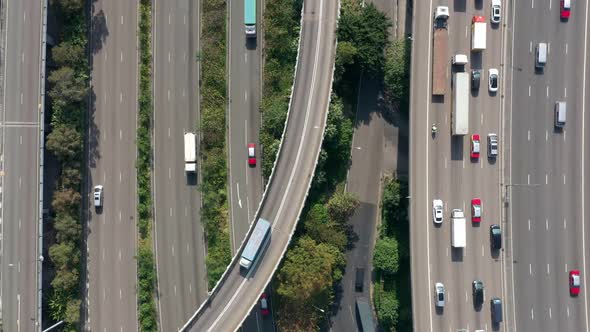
41 163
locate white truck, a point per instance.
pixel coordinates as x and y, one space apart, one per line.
440 50
459 237
478 33
460 115
190 153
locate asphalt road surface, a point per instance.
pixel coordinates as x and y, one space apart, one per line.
547 202
285 196
441 169
180 247
112 232
246 181
19 159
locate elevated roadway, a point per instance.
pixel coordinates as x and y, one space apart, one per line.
285 195
20 132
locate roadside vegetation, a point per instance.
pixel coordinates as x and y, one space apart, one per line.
281 36
391 260
214 212
146 269
304 296
66 101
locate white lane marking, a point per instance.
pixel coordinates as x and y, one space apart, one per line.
21 98
238 191
169 18
184 20
172 250
120 215
120 294
566 48
529 90
169 57
168 95
528 179
564 179
104 294
548 48
481 119
532 314
246 95
548 269
446 162
170 212
188 248
168 131
447 251
170 172
120 135
550 4
20 139
466 31
246 57
546 178
531 47
547 224
549 312
119 255
583 191
530 269
565 267
103 254
463 163
481 165
482 250
121 56
120 177
528 135
564 223
564 92
529 224
466 298
547 91
190 288
120 97
546 135
568 311
121 19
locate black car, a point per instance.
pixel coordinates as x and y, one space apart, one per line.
478 292
475 78
360 279
496 307
496 237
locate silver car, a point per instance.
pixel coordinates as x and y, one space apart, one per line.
437 211
492 145
439 290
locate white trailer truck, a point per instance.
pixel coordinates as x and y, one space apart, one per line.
460 116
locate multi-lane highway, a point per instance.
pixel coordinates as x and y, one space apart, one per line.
288 186
112 295
179 240
547 187
19 164
441 169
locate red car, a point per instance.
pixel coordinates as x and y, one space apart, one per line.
252 154
575 282
264 305
565 7
475 146
476 210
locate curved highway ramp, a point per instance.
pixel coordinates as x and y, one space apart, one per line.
238 291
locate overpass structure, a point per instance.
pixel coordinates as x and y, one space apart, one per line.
237 292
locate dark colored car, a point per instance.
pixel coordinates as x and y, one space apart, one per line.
478 292
475 78
360 279
496 237
496 307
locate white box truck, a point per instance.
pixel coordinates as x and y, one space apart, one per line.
190 153
478 33
460 115
459 237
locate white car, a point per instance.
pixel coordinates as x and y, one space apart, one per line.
437 211
98 197
496 11
493 78
439 290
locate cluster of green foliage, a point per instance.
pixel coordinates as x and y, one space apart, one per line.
146 273
67 91
323 236
282 24
214 213
391 260
396 78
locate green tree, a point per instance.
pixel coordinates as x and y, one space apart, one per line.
320 228
66 280
72 315
386 306
64 255
69 7
68 55
342 206
346 53
70 175
67 200
66 87
65 143
386 257
397 71
68 228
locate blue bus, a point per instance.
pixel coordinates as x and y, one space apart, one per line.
256 242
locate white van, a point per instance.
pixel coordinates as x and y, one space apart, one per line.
560 110
460 59
541 55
